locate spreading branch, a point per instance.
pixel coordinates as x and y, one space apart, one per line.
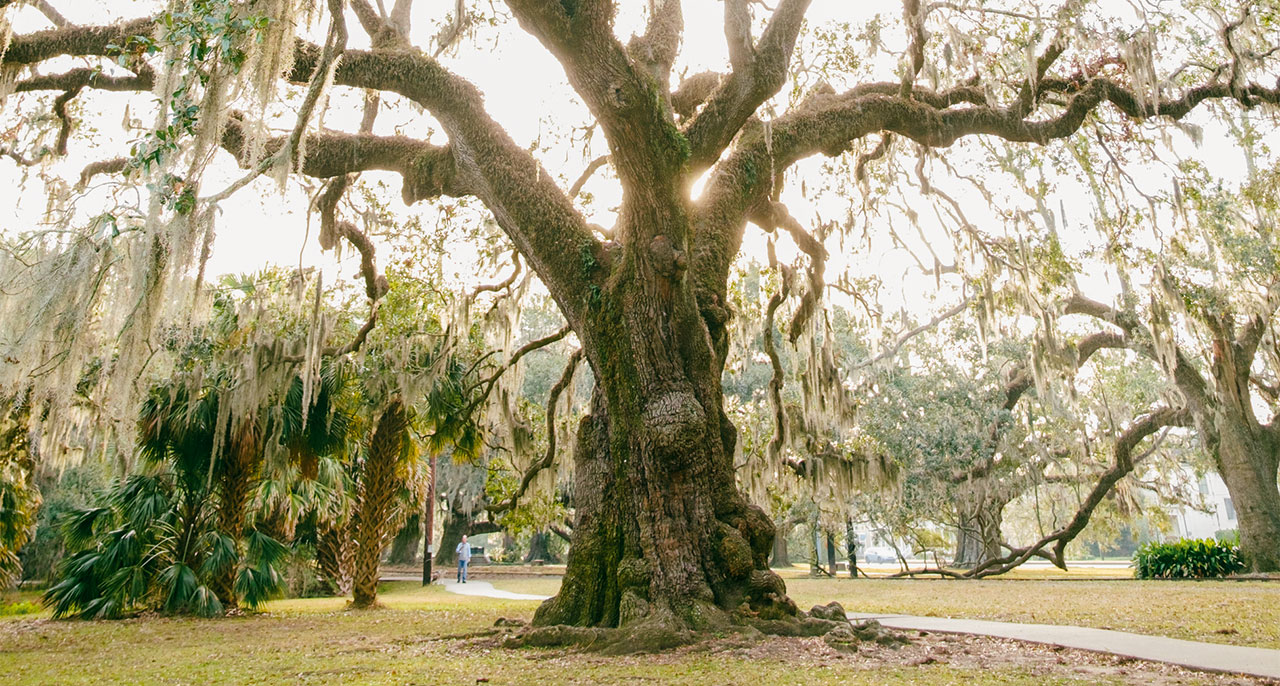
487 384
1123 465
826 122
759 72
1186 376
548 457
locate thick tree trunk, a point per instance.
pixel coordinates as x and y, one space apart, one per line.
663 537
851 548
404 547
780 557
540 548
978 532
455 525
1246 457
1246 453
831 554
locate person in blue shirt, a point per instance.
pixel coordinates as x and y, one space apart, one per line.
464 557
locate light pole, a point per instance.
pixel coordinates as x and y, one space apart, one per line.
429 520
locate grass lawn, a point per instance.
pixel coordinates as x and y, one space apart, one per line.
1236 612
414 639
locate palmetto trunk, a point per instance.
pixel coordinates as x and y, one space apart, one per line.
376 509
237 470
333 558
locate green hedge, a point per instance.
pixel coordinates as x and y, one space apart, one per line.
1187 559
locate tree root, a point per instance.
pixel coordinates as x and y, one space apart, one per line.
645 637
652 635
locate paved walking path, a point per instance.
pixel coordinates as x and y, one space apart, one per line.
1211 657
486 589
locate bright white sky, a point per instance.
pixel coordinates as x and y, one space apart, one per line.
526 91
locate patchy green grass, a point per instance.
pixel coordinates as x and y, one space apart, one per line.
21 604
415 639
1236 612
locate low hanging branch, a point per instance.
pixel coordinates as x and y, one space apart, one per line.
1020 381
549 457
775 216
1125 462
490 381
902 339
375 284
290 154
779 439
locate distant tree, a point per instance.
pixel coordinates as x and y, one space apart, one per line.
19 497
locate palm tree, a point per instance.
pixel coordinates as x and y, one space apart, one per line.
173 537
381 476
313 485
154 541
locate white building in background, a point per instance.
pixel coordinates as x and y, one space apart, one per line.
1191 523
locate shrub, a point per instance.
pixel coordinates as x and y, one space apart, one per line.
20 608
1187 559
152 544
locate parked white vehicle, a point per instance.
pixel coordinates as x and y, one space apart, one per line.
879 555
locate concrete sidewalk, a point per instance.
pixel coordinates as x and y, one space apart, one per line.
1209 657
486 590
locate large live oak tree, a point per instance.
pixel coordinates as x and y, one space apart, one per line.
663 537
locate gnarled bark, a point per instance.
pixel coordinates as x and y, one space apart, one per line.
662 537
